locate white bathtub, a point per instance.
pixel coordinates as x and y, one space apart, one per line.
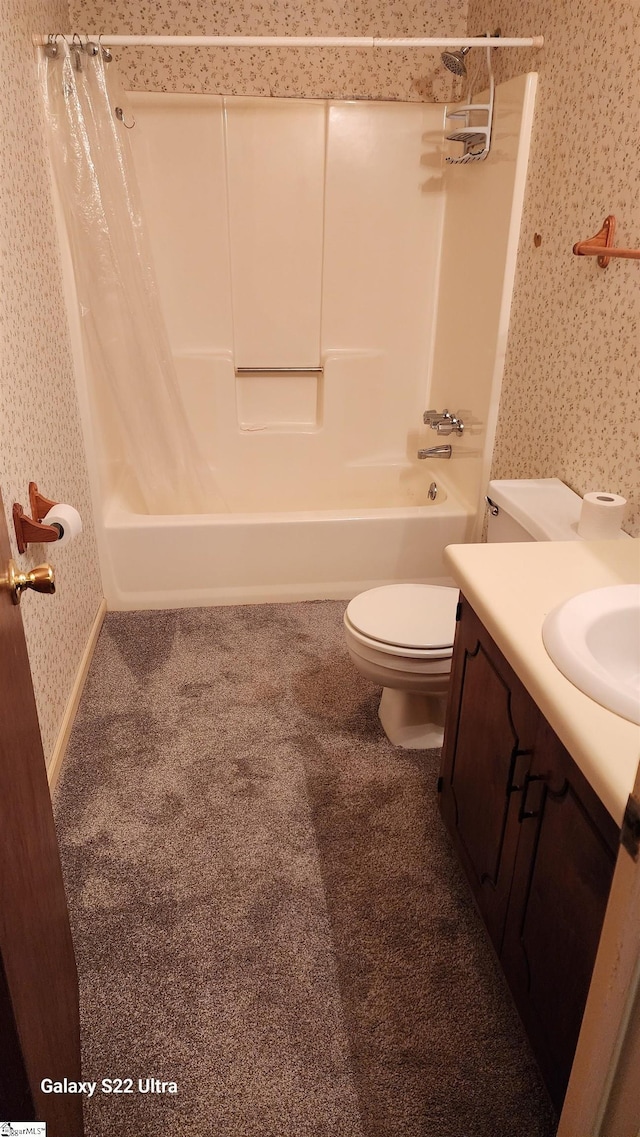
169 561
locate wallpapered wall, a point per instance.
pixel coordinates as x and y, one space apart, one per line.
330 72
40 436
570 396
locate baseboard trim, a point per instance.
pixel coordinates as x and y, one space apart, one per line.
57 757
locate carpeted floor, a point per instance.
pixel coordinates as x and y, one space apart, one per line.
265 906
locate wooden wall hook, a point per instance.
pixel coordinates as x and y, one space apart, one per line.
601 246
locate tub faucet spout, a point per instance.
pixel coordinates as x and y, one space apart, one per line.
435 452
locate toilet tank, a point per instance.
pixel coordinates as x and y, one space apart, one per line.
538 509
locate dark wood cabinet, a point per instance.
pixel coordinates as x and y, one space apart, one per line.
536 843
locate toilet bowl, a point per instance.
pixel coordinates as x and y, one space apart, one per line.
401 637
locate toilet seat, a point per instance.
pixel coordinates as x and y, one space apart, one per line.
412 620
391 649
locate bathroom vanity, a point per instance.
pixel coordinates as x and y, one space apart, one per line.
534 780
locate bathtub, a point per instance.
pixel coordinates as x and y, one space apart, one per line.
260 554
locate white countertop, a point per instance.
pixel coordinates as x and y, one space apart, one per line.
512 587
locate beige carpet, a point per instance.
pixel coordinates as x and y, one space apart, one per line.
264 903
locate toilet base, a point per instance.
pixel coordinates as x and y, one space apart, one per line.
411 720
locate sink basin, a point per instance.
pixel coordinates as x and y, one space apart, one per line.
594 640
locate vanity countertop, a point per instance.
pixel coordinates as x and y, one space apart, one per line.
512 587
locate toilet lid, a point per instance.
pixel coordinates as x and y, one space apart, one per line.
406 615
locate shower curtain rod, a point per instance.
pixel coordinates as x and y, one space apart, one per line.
289 41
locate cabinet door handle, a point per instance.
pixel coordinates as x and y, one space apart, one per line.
524 812
513 786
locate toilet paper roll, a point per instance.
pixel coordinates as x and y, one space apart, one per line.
601 516
68 521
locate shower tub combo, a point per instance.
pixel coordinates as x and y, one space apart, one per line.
301 250
301 348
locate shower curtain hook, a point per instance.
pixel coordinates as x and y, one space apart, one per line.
106 54
120 118
77 48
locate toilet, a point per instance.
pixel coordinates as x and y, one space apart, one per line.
401 635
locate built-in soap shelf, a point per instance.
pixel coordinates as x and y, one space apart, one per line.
279 399
475 138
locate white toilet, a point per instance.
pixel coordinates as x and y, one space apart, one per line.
401 635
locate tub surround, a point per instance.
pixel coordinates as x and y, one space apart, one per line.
318 467
512 587
375 257
479 248
293 234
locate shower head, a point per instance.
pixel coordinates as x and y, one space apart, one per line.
454 60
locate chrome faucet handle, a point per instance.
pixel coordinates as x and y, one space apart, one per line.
443 422
430 418
451 425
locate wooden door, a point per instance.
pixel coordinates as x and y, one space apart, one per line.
39 1014
488 743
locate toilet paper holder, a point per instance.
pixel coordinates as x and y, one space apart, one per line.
30 530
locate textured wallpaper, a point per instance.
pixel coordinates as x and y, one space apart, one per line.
40 436
570 403
338 73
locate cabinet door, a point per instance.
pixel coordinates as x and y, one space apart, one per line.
489 735
562 876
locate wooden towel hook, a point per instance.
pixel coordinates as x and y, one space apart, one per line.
601 246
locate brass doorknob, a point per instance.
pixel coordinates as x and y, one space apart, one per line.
40 579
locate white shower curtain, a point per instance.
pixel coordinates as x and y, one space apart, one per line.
124 338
